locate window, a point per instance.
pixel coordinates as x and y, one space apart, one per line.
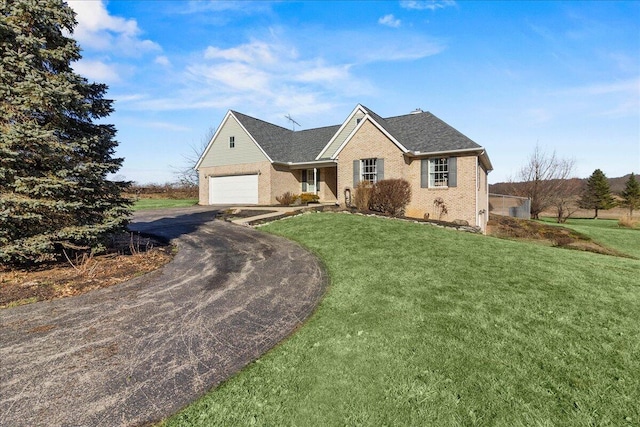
358 120
232 141
438 172
368 170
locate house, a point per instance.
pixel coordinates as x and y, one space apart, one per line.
250 161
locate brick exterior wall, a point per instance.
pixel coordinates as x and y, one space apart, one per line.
283 180
460 201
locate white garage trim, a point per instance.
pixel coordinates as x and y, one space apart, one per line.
233 190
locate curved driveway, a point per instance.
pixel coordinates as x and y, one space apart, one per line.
139 351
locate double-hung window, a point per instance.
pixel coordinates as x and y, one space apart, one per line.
438 172
369 170
232 141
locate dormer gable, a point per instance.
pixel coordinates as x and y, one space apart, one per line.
343 132
231 144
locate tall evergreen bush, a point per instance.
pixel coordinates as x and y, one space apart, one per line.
597 193
54 158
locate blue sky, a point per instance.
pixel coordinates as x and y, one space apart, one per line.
509 75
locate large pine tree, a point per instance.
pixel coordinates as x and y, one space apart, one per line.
631 194
54 159
597 193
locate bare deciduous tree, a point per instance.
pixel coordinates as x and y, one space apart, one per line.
186 174
542 179
565 200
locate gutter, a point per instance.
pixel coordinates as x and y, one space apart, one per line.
305 165
482 154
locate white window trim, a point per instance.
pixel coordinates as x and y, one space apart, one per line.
232 142
363 170
432 172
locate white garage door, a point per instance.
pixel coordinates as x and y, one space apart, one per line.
233 190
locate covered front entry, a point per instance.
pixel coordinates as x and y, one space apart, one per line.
233 190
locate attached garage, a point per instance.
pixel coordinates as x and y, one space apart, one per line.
233 190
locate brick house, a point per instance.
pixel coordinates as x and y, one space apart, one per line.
250 161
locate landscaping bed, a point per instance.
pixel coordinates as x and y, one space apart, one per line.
129 256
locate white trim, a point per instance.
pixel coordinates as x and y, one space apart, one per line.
380 128
430 170
224 121
425 154
344 124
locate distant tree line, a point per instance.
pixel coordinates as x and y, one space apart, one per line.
548 182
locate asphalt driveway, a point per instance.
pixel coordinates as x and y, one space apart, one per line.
139 351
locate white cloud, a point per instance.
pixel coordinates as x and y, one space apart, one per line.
427 4
233 76
389 21
276 75
99 30
320 73
162 60
97 71
254 52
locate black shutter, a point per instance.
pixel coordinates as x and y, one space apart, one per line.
356 173
317 180
304 180
453 172
379 170
424 173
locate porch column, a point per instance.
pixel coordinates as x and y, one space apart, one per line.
315 181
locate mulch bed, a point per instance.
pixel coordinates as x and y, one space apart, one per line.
131 256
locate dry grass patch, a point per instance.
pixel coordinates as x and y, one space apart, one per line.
132 256
539 232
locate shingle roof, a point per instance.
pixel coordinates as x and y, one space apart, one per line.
421 132
426 133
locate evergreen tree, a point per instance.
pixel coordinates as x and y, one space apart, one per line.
597 194
53 158
631 195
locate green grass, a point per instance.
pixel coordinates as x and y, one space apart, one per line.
606 232
426 326
144 204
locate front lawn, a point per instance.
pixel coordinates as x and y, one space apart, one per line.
427 326
144 204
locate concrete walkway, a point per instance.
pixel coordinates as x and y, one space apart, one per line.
137 352
272 212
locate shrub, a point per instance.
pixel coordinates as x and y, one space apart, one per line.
308 198
440 207
390 196
628 222
362 196
287 198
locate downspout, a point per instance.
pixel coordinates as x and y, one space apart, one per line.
487 183
477 189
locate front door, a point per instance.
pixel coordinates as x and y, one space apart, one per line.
310 180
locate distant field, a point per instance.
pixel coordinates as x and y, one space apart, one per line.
145 204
